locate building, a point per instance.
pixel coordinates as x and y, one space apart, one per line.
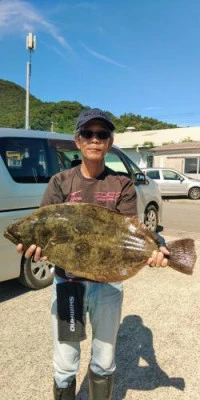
184 157
177 148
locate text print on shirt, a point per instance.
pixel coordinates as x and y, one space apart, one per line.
99 196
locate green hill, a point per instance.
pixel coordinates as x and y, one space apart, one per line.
63 114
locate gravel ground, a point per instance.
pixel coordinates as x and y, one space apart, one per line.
158 348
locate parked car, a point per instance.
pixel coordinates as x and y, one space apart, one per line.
28 159
174 183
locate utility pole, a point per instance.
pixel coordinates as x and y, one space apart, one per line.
30 45
52 126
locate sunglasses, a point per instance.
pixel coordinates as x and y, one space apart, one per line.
88 134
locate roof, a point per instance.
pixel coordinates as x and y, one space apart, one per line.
27 133
177 146
157 137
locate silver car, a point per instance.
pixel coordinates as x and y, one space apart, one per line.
28 159
174 183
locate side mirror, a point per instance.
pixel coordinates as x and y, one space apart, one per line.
179 178
140 179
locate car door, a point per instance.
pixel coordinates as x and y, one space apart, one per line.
156 176
173 184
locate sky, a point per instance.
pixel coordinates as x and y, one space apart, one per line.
123 56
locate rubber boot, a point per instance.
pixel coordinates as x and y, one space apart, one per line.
100 387
65 393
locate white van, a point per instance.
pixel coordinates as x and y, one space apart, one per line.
27 161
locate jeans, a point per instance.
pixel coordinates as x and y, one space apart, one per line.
103 302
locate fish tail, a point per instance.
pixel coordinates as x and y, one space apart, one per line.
182 255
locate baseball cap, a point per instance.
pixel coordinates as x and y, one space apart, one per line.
93 113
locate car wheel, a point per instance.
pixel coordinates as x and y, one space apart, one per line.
151 218
36 275
194 193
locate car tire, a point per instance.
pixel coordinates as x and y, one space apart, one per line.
151 218
194 193
36 275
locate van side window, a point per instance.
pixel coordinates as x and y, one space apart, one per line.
63 161
66 153
25 159
68 159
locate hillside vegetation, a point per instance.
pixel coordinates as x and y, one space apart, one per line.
62 114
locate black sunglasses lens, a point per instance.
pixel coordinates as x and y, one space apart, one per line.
103 134
87 134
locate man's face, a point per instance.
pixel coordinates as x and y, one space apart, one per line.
95 147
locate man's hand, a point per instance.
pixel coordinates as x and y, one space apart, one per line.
158 258
33 250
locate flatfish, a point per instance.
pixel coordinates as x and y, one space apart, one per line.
95 242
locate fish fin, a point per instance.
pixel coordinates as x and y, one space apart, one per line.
182 255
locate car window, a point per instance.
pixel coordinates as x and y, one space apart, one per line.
25 159
153 174
171 175
114 162
68 158
134 168
66 153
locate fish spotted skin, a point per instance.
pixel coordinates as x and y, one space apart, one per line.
95 242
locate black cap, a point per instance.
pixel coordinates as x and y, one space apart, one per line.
93 113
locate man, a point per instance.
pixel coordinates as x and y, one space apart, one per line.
90 182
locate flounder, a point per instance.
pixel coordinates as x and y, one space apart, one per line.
95 242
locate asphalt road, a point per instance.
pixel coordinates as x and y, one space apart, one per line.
158 347
181 217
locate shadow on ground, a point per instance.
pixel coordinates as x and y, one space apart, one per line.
135 344
10 289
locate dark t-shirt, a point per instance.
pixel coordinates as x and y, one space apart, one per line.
110 189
